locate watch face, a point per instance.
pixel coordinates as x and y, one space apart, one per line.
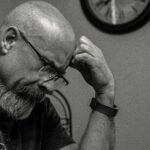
118 13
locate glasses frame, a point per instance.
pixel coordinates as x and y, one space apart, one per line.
55 77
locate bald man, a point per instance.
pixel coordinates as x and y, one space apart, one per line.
37 45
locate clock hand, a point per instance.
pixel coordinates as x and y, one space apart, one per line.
113 8
134 9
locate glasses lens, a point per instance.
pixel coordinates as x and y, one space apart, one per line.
59 83
59 79
48 69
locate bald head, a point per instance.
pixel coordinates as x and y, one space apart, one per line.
46 28
32 29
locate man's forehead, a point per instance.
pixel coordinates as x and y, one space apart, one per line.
55 47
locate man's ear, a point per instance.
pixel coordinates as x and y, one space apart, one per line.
10 37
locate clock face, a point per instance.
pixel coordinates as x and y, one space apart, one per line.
118 13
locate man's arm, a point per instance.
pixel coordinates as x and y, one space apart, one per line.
100 131
99 134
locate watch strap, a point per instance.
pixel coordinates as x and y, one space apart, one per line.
109 111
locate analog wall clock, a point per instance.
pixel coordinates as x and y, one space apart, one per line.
117 16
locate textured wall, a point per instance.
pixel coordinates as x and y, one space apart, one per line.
129 58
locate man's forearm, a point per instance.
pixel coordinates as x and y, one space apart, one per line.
99 134
90 61
100 131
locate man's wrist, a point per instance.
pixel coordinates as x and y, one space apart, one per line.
105 99
104 109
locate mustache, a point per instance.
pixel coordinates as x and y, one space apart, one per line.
27 93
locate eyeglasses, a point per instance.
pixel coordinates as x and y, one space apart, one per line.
53 74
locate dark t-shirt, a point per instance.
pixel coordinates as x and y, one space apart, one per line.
42 130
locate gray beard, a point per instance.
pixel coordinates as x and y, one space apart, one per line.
19 102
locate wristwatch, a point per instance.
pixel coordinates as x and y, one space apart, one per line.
109 111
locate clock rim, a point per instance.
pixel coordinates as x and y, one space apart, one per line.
130 26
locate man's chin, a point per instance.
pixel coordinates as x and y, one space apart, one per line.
19 103
28 98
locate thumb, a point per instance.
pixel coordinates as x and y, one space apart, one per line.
76 65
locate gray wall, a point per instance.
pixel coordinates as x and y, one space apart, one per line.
129 58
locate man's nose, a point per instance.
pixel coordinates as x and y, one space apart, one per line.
45 84
44 76
44 79
49 84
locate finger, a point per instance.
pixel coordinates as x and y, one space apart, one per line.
84 49
83 58
92 46
85 40
80 61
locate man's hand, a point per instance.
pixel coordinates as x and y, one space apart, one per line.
90 61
